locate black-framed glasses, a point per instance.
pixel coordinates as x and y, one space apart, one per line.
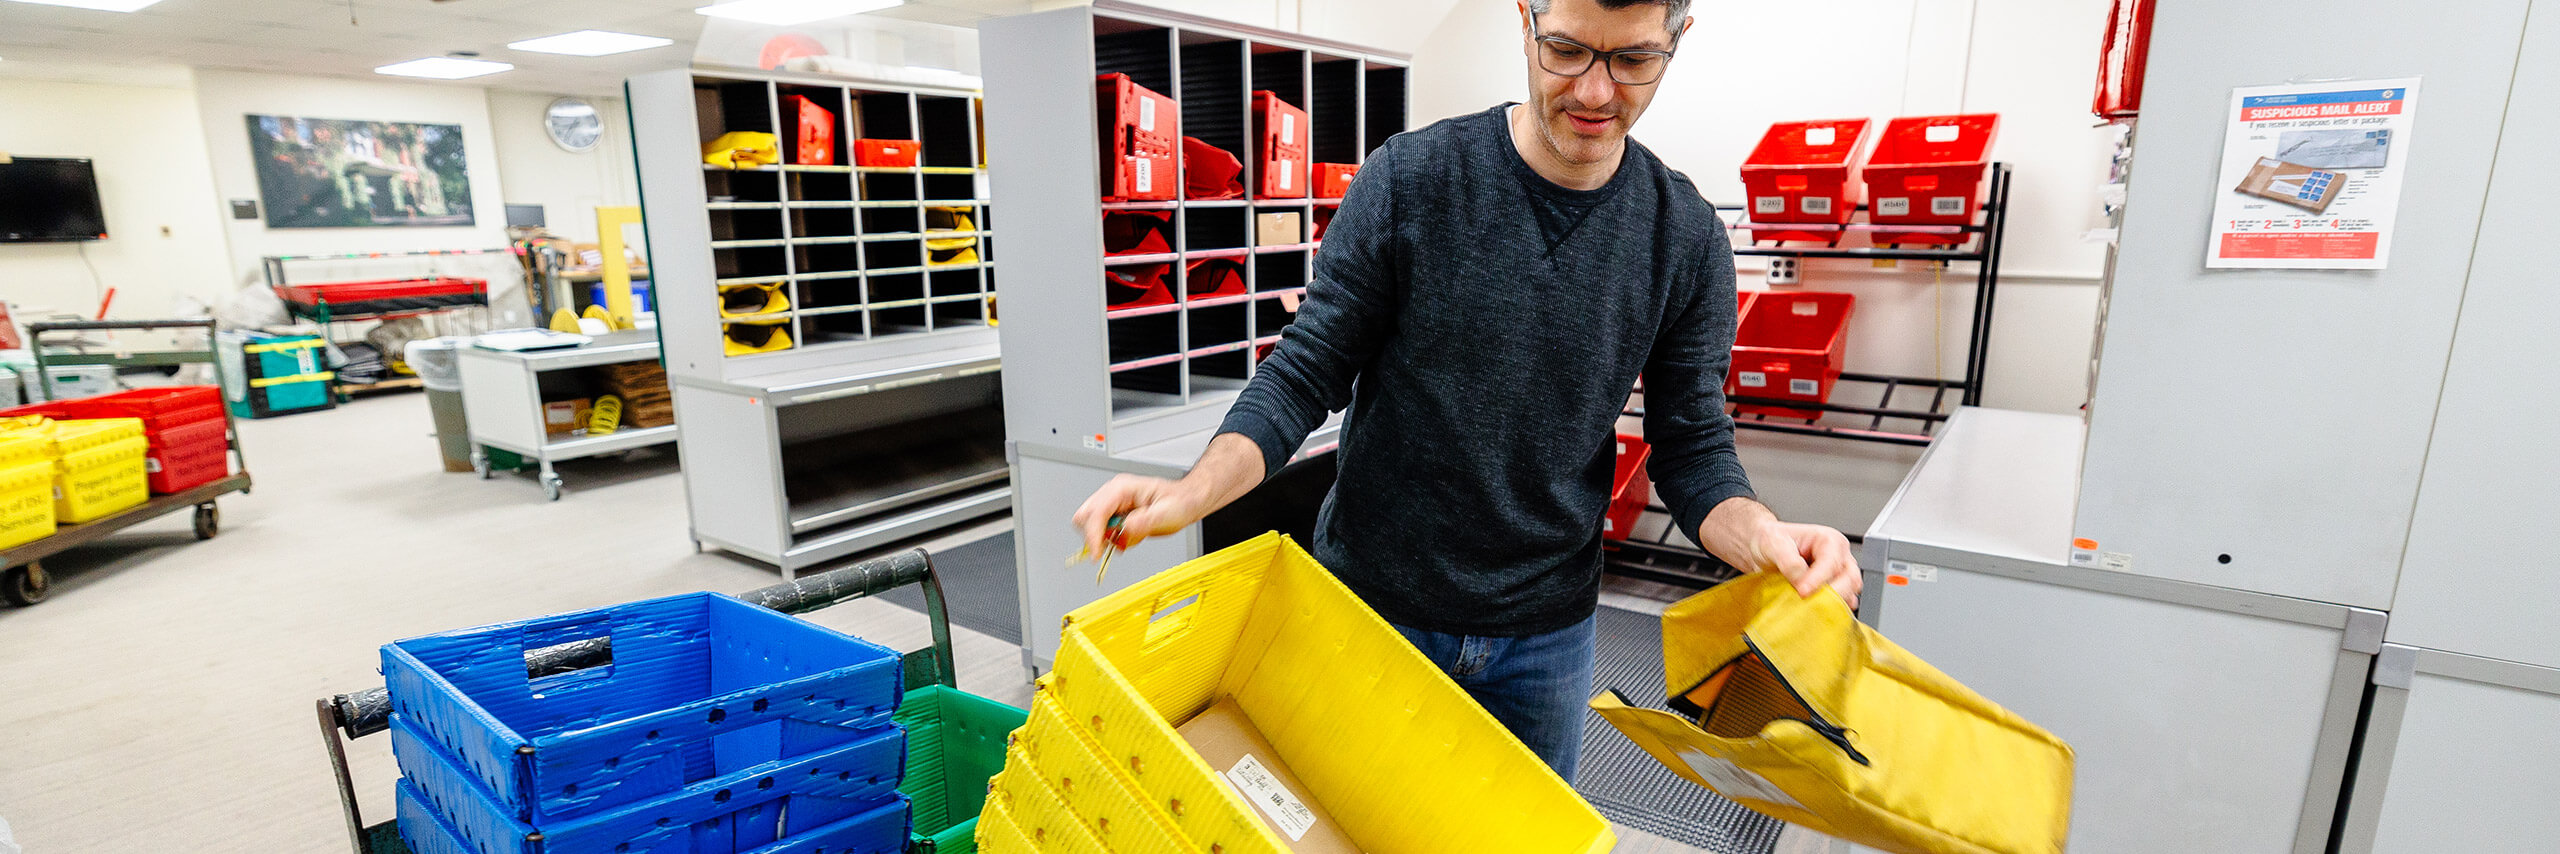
1565 57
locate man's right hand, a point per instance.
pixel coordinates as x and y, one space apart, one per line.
1148 507
1154 506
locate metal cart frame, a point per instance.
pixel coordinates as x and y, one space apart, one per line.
351 716
502 400
23 581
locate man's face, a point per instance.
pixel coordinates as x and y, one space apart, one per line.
1584 119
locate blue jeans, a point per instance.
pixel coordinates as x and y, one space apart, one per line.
1537 686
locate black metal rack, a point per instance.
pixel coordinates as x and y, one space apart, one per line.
1892 418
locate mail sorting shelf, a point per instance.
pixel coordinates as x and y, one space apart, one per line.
1906 410
1135 382
804 256
503 394
855 407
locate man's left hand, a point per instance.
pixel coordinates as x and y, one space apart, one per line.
1745 534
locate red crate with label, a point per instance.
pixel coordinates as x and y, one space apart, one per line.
1928 170
1789 346
814 139
1280 147
1805 172
1140 130
1629 489
187 456
885 153
1334 179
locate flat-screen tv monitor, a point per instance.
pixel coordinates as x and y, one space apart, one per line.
49 199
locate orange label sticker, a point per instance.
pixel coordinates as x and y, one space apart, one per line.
2084 543
1898 580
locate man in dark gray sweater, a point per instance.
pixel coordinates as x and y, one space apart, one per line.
1495 283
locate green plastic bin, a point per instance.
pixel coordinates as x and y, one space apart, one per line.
955 743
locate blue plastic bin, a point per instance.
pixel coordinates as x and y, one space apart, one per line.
698 686
845 797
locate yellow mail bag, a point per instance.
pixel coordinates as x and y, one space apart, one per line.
1791 707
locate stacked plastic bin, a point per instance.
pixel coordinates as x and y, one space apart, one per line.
695 724
270 375
1928 170
1805 172
1790 346
96 464
189 442
1393 750
26 489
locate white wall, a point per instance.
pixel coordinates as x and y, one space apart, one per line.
225 97
569 185
165 229
1747 65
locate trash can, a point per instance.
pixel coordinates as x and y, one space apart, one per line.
440 371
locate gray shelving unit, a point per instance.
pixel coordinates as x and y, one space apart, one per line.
881 417
1138 388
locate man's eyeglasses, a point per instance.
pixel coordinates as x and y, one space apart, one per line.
1565 57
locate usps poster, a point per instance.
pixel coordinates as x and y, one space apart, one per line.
2311 175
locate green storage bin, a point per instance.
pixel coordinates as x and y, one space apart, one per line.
955 743
277 375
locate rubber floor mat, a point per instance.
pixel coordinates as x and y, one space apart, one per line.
1628 786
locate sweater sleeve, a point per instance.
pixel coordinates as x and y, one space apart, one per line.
1694 465
1349 307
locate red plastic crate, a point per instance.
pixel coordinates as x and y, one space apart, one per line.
342 293
1629 489
159 408
1136 286
1928 170
814 144
1790 347
1280 147
186 456
1334 179
1137 232
1806 172
1210 172
1211 278
1140 129
885 153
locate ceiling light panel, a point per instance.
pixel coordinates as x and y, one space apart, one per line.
785 13
590 43
444 68
100 5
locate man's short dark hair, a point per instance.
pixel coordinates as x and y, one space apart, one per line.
1673 11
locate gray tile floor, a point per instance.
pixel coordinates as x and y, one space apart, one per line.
162 700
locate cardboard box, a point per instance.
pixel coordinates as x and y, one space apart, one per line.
565 416
1277 229
1228 741
2293 184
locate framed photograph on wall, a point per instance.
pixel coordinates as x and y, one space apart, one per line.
340 173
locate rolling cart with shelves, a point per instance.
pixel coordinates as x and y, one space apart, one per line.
503 393
1131 380
832 368
1906 410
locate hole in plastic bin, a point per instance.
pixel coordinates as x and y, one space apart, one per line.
765 783
839 704
570 789
1097 725
1169 610
612 762
1039 834
1102 824
844 775
663 821
2222 559
1177 807
1067 785
760 705
720 797
653 735
622 847
1137 765
718 716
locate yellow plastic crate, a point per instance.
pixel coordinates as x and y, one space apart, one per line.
92 483
1405 761
63 438
26 503
997 833
20 448
1018 799
1102 795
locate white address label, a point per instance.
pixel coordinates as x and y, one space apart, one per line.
1894 207
1804 387
1147 114
1146 180
1769 204
1286 169
1732 781
1817 204
1754 379
1947 205
1276 802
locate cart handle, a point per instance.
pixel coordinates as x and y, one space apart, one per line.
93 325
349 716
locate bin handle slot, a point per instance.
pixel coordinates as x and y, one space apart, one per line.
1794 182
566 655
1920 182
1171 620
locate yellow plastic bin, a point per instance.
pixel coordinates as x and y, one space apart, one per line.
20 447
1399 755
1022 810
1067 760
95 482
26 501
59 439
